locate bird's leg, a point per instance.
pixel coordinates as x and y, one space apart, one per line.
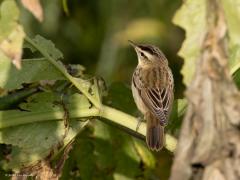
140 120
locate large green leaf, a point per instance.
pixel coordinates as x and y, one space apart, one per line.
192 18
32 70
48 50
32 141
47 47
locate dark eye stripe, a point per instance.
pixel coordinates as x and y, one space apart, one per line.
153 51
147 49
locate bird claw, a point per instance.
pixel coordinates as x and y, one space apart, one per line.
139 119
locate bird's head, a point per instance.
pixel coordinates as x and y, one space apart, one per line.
148 54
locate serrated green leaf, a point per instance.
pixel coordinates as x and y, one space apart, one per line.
192 18
48 50
32 70
48 47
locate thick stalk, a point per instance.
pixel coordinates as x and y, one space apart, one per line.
128 122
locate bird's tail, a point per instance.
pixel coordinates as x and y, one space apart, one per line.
155 133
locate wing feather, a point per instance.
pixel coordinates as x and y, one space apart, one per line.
158 99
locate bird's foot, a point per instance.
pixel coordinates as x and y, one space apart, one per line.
139 119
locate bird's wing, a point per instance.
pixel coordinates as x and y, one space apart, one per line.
158 99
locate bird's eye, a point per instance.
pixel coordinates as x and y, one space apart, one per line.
142 54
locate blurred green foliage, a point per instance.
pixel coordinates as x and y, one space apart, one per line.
95 34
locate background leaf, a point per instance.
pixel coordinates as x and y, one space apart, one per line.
191 17
11 33
34 7
232 15
32 70
33 142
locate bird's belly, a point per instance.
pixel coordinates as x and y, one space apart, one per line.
138 100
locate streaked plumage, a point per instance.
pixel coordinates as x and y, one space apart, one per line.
152 87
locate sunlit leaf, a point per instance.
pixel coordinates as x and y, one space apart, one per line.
11 33
65 6
232 16
192 18
146 155
34 141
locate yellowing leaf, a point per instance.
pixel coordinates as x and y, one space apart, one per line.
232 16
34 7
12 46
191 17
11 33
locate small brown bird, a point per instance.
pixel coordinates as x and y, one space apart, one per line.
152 88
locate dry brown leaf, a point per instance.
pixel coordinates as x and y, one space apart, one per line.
34 6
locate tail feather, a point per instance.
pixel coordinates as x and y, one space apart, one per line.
155 134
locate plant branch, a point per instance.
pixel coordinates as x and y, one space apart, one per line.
65 73
16 118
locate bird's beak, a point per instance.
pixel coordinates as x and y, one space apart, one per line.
134 45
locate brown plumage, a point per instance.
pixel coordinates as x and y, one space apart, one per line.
152 88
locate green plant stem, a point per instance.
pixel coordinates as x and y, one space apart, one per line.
131 122
73 80
114 115
123 119
16 118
